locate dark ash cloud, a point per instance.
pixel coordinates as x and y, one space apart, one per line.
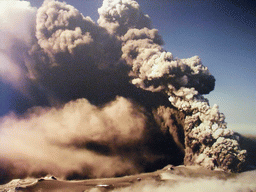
105 99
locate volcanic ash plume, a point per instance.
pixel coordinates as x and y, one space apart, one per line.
78 139
117 102
207 141
16 27
119 16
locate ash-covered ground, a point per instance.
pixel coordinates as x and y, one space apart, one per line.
170 178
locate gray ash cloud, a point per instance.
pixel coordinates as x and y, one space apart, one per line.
104 99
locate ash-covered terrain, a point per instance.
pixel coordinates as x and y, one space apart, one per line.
170 178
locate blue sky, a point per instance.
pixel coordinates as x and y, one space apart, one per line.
221 33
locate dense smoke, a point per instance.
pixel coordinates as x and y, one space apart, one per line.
55 140
17 20
102 100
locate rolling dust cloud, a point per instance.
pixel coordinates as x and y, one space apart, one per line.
244 182
103 99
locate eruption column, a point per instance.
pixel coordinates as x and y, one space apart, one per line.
114 95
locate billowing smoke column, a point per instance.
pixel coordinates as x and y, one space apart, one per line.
207 141
117 102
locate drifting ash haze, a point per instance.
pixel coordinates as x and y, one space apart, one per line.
103 99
